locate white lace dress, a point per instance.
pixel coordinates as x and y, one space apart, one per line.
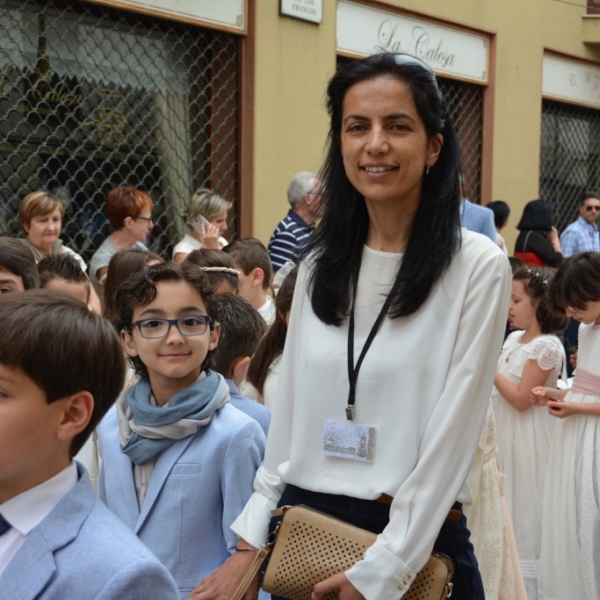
569 565
490 524
523 446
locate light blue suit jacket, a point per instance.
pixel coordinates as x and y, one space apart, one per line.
259 412
199 486
82 551
478 219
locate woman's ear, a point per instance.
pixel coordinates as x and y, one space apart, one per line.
434 149
128 343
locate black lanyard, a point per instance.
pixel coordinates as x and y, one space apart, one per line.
353 370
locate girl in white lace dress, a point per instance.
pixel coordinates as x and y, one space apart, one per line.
531 357
569 566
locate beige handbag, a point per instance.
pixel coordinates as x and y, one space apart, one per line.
309 547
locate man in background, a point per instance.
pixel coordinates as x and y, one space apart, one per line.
582 235
294 232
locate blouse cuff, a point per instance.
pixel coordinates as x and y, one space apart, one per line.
381 574
253 523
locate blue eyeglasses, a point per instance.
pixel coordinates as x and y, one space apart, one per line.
155 329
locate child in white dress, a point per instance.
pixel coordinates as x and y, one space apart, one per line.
569 565
530 357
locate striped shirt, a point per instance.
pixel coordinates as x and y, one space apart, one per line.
580 236
289 239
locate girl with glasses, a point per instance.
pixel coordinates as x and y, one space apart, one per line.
178 460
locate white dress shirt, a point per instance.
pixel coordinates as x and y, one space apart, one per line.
28 509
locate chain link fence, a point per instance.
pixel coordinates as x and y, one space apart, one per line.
464 102
92 98
570 157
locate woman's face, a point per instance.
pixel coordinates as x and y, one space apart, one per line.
141 225
384 144
43 230
220 221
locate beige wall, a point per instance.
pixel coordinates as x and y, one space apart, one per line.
294 60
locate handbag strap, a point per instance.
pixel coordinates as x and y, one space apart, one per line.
262 553
526 240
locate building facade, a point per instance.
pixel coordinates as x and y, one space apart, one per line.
229 94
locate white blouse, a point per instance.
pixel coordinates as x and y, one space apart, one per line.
424 385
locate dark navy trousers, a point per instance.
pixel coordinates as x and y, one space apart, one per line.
453 539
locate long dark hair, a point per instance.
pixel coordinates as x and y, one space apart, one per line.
271 346
435 232
538 215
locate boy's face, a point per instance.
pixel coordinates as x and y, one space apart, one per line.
30 452
9 282
173 361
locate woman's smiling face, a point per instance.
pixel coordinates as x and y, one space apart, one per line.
384 143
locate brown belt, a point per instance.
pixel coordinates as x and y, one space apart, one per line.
453 515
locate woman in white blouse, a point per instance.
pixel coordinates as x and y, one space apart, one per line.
389 245
206 216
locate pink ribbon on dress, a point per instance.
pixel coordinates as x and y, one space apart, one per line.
586 382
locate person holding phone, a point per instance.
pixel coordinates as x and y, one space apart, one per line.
206 216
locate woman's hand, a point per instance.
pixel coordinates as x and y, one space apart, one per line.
210 236
224 581
338 583
554 239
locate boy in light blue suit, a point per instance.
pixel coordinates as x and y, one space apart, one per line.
178 460
242 328
61 368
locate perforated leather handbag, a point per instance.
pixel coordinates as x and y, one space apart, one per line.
308 547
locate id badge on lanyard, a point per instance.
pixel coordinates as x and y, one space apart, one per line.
346 439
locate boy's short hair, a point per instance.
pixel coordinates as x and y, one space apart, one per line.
242 328
140 290
64 348
216 265
19 260
250 253
60 266
576 283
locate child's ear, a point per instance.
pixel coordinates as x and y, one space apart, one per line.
258 276
75 415
239 367
128 343
215 334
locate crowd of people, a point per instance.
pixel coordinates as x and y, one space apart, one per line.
201 391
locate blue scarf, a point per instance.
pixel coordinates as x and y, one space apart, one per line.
197 402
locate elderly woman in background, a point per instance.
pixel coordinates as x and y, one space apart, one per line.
130 213
206 216
41 216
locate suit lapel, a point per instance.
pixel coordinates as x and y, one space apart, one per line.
33 565
128 500
163 466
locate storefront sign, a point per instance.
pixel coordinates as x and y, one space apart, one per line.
307 10
569 80
362 30
223 14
